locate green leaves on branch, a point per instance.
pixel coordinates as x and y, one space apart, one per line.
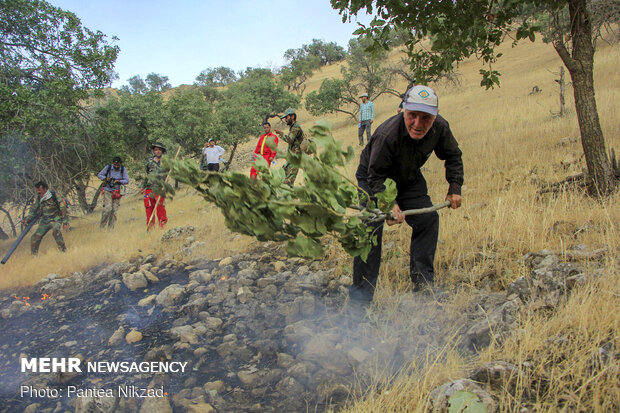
466 402
270 210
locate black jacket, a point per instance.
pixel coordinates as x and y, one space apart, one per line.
392 153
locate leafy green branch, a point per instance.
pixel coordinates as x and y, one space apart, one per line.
328 203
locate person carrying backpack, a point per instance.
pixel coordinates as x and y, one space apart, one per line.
53 214
114 176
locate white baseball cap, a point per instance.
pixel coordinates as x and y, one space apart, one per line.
422 99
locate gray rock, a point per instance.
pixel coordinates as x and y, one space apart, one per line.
289 385
322 351
117 336
156 405
95 404
497 374
147 301
152 278
135 281
184 333
213 323
244 294
201 276
171 295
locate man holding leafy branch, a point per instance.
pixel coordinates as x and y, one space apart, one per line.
397 150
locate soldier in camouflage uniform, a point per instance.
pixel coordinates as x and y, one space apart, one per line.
53 213
153 166
294 139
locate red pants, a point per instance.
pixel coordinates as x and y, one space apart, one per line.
149 204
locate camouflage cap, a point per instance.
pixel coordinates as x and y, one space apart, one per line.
159 145
289 111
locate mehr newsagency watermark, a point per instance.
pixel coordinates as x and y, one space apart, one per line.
76 365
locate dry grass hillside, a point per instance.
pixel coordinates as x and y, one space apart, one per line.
511 145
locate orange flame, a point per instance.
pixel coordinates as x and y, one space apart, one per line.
24 299
223 277
45 296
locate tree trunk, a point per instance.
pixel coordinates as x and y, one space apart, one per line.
10 222
3 235
581 66
80 189
562 88
232 154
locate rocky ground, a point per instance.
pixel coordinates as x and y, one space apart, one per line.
259 332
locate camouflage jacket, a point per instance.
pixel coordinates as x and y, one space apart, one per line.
152 167
52 209
294 138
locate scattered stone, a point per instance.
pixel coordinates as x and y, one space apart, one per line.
117 336
170 295
150 276
133 336
184 333
156 405
213 323
244 295
497 374
217 385
147 301
95 404
135 281
225 261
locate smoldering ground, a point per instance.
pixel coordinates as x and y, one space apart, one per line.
257 332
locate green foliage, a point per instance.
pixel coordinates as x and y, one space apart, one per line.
268 209
135 85
466 402
189 118
327 53
216 77
50 64
364 72
157 82
241 108
295 74
457 30
154 83
132 122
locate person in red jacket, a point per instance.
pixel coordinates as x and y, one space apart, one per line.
263 149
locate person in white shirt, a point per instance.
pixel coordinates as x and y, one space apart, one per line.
211 156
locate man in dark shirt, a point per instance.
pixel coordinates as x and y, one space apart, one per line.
397 150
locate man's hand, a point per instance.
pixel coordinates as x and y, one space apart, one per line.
371 121
277 132
455 200
108 179
66 227
399 218
142 190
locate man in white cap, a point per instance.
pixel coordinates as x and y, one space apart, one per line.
397 150
367 115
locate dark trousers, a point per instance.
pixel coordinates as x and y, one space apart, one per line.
364 126
424 235
213 167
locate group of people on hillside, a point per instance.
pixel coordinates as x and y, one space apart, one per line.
397 149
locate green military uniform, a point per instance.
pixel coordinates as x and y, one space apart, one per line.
294 139
152 167
53 212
